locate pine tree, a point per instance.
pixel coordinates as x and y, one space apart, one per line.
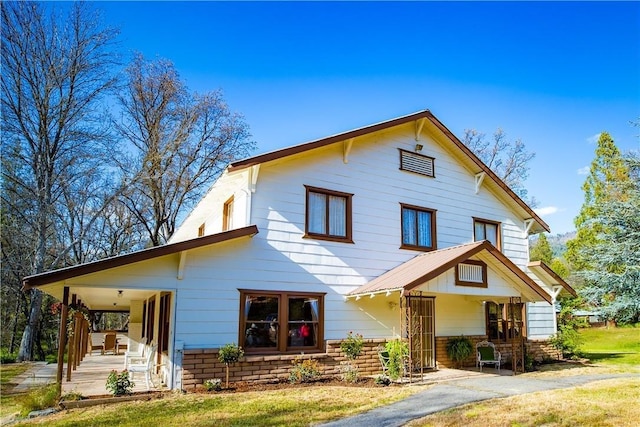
541 250
608 180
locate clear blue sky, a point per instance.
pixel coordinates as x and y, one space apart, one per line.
553 74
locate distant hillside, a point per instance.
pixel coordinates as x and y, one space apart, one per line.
558 242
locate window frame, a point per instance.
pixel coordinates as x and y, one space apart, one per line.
483 284
348 237
504 322
282 346
227 214
486 222
434 238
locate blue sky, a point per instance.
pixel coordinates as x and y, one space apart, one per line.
554 74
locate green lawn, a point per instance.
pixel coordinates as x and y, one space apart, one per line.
613 346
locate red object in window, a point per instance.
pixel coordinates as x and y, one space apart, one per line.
304 331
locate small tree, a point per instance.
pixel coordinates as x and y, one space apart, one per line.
352 348
398 352
229 354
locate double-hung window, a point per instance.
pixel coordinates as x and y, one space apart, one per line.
486 230
504 321
328 215
281 321
418 228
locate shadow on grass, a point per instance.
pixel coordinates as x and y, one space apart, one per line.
605 357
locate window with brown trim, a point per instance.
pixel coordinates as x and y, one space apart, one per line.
278 322
471 273
500 326
328 215
418 228
487 230
227 215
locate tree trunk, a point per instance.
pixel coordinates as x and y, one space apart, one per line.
28 337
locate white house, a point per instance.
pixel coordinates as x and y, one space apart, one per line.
391 230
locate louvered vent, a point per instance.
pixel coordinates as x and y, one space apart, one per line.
417 163
470 273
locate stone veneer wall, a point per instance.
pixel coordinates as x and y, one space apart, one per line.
201 365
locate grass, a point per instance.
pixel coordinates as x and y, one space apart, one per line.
9 403
292 407
616 346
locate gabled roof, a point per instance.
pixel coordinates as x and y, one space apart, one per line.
143 255
430 265
421 115
547 275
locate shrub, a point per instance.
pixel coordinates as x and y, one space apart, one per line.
352 345
229 354
349 373
119 383
38 399
458 349
398 351
568 340
213 384
304 370
6 357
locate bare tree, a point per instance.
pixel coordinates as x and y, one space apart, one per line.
55 72
181 141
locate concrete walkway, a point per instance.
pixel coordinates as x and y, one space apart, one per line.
457 392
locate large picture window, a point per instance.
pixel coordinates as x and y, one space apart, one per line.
281 321
328 215
418 228
486 230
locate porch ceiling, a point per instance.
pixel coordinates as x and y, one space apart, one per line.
430 265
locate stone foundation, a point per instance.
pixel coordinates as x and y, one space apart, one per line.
201 365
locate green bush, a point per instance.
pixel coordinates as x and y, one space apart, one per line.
352 345
304 370
6 357
398 351
568 340
37 399
119 383
382 380
459 348
213 384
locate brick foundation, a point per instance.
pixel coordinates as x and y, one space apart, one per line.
201 365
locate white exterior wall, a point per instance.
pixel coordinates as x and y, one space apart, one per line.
540 318
279 258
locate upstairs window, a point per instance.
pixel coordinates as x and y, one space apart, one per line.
417 163
486 230
227 215
418 228
328 215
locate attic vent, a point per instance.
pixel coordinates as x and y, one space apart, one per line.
417 163
471 273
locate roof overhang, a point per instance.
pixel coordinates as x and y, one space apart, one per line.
551 278
61 275
428 266
470 159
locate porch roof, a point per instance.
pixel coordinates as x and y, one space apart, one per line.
550 277
429 265
48 277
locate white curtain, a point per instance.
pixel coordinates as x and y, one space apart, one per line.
424 229
317 213
337 216
409 227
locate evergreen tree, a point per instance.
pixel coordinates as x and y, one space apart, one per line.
541 250
608 180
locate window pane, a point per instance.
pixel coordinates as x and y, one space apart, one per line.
317 213
424 229
337 216
261 321
479 231
409 227
491 233
303 322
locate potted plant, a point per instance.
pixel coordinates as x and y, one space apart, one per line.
458 349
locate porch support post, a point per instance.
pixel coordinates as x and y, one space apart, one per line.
62 338
70 349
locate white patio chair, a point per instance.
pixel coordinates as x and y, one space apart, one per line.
145 367
136 353
487 355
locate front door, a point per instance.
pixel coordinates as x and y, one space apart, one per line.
419 326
